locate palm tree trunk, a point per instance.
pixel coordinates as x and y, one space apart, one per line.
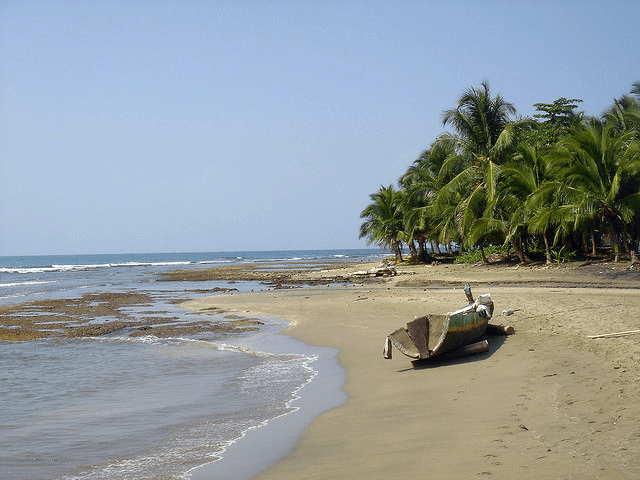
633 249
518 249
585 243
593 244
524 241
412 249
423 253
547 248
484 257
614 241
397 250
625 239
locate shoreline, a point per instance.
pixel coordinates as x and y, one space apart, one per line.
130 302
547 401
272 441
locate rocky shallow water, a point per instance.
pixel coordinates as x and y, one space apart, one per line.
137 313
96 314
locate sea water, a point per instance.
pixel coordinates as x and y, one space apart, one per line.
115 407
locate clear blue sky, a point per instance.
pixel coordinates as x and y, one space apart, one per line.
157 126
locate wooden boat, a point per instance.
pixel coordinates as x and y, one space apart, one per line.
431 335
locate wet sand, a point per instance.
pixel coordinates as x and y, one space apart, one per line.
547 402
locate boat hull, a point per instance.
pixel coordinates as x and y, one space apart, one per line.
464 329
431 335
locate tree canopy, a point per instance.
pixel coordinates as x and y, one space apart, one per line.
557 183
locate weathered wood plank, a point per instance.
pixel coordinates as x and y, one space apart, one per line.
471 349
500 329
616 334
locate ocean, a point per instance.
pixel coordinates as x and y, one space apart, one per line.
122 407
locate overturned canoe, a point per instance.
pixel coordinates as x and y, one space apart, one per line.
431 335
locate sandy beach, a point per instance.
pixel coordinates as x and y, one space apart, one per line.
547 402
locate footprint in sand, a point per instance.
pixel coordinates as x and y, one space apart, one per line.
500 443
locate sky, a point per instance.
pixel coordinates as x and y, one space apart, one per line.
181 126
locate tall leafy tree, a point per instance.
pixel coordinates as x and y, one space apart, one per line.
624 115
421 182
383 220
557 177
599 167
556 117
535 208
522 176
483 134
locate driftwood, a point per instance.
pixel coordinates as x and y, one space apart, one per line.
616 334
500 329
467 291
471 349
384 269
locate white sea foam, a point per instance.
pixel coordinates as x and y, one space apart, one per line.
257 378
89 266
220 346
18 284
276 376
50 268
26 269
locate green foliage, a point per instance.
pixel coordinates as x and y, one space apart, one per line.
556 118
475 255
483 138
558 179
563 255
383 225
559 113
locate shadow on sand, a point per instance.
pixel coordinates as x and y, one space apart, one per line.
495 342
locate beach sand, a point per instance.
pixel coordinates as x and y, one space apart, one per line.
547 402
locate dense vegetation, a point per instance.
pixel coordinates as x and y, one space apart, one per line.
557 185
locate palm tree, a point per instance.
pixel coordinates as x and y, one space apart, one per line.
480 121
521 177
417 184
624 115
483 136
421 182
383 223
600 182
